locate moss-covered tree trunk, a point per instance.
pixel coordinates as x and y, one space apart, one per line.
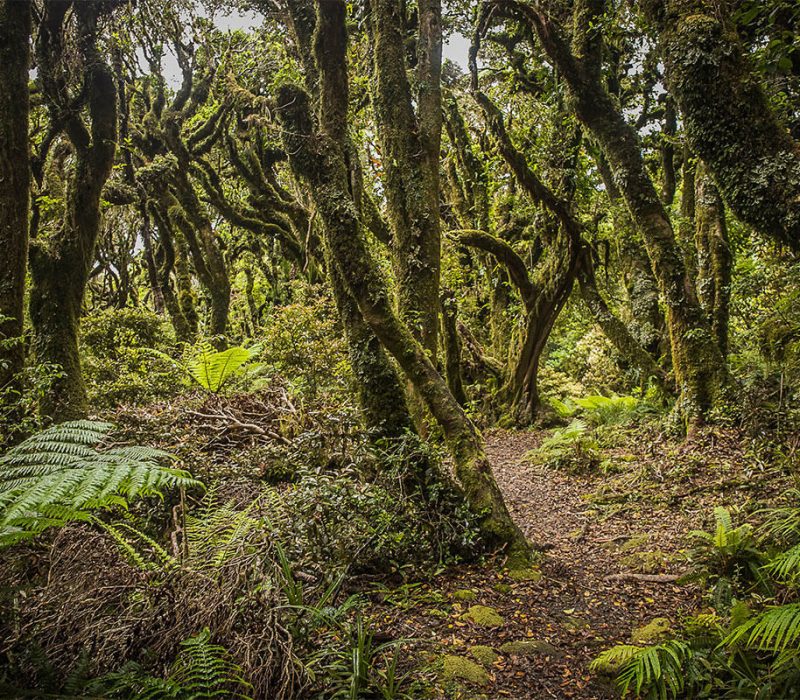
726 116
319 155
614 329
381 396
714 260
410 156
15 182
60 263
452 347
700 369
187 214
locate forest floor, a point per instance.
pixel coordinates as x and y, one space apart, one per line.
594 531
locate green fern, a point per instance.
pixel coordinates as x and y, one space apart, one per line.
786 566
608 410
656 671
201 671
212 369
776 629
60 475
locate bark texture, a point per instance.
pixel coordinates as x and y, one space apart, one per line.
318 154
15 182
726 117
61 263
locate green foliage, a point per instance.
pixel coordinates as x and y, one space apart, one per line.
62 475
727 559
303 343
572 448
117 360
609 410
201 671
213 369
655 671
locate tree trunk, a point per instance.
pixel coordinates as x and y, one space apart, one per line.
714 260
614 329
410 155
700 369
727 119
452 348
60 265
15 184
319 155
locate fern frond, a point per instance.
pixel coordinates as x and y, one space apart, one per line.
785 566
776 629
212 370
657 669
61 475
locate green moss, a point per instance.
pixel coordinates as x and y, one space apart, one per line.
530 648
530 573
483 616
654 631
460 668
464 594
645 562
634 542
503 588
484 655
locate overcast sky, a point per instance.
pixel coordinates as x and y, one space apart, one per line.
455 48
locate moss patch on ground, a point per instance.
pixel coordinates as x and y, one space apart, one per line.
460 668
483 616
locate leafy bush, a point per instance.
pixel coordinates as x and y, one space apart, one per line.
303 343
117 360
727 559
571 448
212 370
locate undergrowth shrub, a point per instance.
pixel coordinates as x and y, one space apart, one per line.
117 361
749 644
303 343
572 448
261 567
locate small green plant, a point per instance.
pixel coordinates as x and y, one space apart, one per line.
212 370
656 671
608 410
62 475
571 448
201 671
727 559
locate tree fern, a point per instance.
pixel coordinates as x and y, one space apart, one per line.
62 475
212 369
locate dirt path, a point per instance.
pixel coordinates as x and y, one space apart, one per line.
573 611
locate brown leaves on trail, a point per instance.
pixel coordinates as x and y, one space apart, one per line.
613 550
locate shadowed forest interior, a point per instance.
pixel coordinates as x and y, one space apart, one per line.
400 349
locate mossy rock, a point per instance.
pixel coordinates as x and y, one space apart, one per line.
464 594
645 562
654 631
530 648
484 655
634 542
528 573
483 616
463 669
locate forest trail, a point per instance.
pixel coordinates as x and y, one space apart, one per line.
553 627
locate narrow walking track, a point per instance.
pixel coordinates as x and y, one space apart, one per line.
573 611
